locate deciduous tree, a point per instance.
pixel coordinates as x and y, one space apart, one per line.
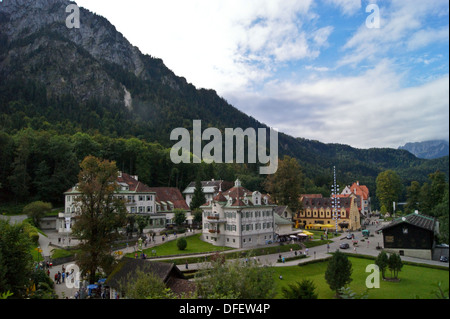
285 186
389 187
101 214
37 210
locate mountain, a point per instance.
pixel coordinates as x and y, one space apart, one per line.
428 149
93 80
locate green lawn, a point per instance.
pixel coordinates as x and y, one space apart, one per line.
415 281
194 245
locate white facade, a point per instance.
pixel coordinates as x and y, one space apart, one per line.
246 220
210 189
138 200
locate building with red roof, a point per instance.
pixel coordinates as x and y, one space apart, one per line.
364 196
155 202
238 218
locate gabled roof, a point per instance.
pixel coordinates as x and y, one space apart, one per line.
280 210
170 195
419 220
211 186
220 198
360 190
127 268
281 220
327 202
134 185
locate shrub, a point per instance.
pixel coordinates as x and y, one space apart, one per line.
181 243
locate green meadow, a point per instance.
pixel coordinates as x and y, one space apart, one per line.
415 281
194 245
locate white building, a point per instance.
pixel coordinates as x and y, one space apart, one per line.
138 197
209 188
238 218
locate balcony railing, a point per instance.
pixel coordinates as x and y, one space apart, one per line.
214 231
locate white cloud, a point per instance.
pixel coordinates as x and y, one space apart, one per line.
348 7
401 28
240 48
368 110
218 44
427 36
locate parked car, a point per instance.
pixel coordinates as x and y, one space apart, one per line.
344 246
443 259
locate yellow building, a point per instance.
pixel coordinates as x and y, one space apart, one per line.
318 210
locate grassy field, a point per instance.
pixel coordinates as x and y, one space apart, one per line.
415 281
194 245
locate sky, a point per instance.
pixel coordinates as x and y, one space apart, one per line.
362 73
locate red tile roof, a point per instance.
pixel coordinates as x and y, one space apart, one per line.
171 194
133 184
361 190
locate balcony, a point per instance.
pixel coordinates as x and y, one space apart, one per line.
64 214
214 231
215 219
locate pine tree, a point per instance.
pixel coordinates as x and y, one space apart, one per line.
382 262
339 271
198 199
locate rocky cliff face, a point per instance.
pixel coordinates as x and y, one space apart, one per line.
38 45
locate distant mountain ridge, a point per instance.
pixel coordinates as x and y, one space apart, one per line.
428 149
93 80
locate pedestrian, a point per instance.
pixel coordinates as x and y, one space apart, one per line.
56 277
314 255
63 275
306 251
187 266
